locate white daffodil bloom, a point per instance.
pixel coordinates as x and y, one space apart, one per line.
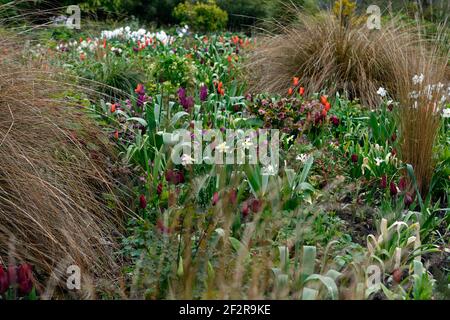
382 92
446 113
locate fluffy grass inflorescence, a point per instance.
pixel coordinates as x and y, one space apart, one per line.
325 53
57 202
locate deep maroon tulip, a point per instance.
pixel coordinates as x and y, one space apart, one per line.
402 184
215 198
393 137
24 278
256 205
159 189
383 182
393 189
394 152
203 93
354 158
245 210
4 281
142 202
174 177
12 274
408 200
334 120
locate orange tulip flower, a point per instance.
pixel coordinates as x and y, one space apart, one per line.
113 108
327 106
301 91
295 81
323 100
290 91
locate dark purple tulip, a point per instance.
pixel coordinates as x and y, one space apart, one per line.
256 205
203 93
159 189
245 210
174 177
142 202
334 120
24 278
408 199
393 189
354 158
4 281
402 184
383 182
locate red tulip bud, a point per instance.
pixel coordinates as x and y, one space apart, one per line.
142 201
24 278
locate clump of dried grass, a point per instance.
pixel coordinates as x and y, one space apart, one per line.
421 109
329 55
57 202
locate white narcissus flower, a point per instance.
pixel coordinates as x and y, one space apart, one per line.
247 143
269 170
302 157
382 92
418 79
378 161
222 147
446 113
186 159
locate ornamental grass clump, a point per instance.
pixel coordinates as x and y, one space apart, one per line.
327 54
57 201
423 94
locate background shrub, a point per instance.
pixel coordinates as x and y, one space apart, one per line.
201 16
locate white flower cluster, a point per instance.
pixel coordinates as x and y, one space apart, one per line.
88 45
436 92
142 35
